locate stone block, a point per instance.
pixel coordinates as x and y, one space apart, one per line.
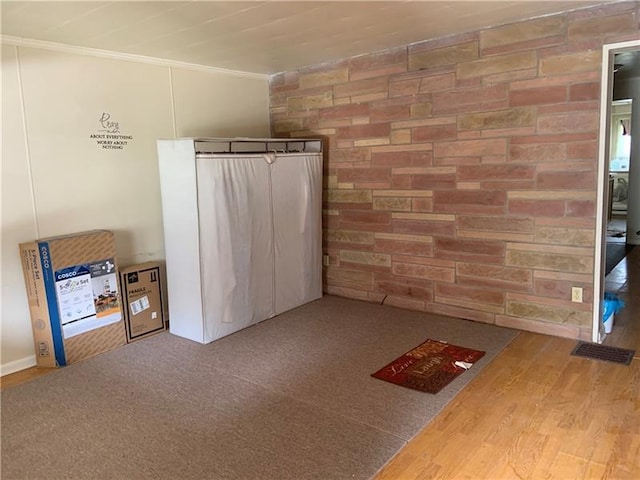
402 88
460 312
538 152
341 155
584 92
590 27
347 236
434 133
432 217
281 126
424 122
469 197
402 193
495 235
400 136
370 142
546 328
571 122
544 260
349 196
470 148
537 208
525 31
392 204
470 294
364 175
433 83
564 236
580 208
358 132
404 238
402 159
583 61
374 61
344 276
355 293
361 88
498 275
389 113
496 172
496 64
365 218
322 100
547 313
449 55
463 100
345 112
582 150
365 258
538 96
395 247
422 204
515 117
567 180
405 289
378 72
424 271
496 223
423 227
460 245
420 110
317 79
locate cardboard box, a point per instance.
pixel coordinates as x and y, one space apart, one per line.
72 288
142 300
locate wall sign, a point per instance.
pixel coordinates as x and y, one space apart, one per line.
108 135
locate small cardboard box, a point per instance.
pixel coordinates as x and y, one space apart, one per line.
142 300
72 288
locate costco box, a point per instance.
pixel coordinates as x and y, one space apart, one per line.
142 300
72 288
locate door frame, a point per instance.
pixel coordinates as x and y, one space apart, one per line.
606 97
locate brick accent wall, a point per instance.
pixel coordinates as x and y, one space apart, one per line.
461 172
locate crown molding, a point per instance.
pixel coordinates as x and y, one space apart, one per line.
128 57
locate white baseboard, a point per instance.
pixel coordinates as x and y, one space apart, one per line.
17 365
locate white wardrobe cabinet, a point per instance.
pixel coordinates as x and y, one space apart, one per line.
242 230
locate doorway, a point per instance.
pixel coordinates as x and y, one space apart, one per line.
621 60
618 192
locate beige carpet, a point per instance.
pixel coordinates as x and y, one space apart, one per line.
290 398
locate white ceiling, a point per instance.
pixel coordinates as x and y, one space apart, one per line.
259 36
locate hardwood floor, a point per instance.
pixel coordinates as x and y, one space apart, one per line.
23 376
535 412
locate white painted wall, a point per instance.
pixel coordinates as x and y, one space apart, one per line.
18 221
56 179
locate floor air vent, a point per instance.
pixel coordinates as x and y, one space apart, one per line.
602 352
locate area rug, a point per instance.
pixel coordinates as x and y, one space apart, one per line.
289 398
430 366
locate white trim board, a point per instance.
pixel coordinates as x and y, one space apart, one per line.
129 57
17 365
606 96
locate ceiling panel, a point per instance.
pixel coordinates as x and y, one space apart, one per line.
259 36
102 27
35 19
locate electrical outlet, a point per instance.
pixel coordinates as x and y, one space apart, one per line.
576 294
325 260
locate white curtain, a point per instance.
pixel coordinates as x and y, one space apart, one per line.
260 237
